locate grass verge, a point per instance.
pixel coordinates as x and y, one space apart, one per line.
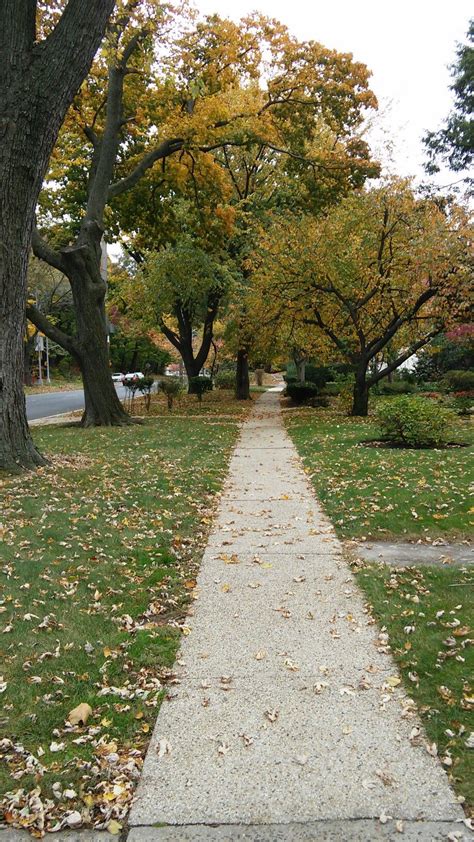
428 612
383 493
219 402
59 385
429 616
98 558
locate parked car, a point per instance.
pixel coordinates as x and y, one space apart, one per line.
131 374
118 377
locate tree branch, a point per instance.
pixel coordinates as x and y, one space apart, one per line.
170 335
168 147
384 372
51 331
44 252
377 344
67 53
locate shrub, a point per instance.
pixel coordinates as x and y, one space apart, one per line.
145 386
463 402
171 387
331 389
415 421
64 367
199 385
396 387
429 386
318 374
225 380
300 392
290 378
458 380
319 401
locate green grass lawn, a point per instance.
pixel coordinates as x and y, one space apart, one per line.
218 401
429 616
429 612
99 554
383 493
58 384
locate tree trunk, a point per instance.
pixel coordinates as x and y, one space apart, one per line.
242 382
360 403
37 84
192 370
82 264
102 405
16 205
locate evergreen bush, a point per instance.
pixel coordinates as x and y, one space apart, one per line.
300 392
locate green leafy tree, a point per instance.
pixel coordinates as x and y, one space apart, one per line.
454 143
217 87
381 269
179 289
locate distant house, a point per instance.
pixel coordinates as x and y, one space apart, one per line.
173 370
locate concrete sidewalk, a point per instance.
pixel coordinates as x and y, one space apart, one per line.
288 721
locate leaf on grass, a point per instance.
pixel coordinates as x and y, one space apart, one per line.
80 714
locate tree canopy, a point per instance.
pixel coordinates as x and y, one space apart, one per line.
453 144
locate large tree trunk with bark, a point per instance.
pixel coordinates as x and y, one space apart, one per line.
82 266
360 402
192 370
37 83
242 382
17 450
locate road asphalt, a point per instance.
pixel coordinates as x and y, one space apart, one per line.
47 404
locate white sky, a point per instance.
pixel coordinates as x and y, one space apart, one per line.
408 45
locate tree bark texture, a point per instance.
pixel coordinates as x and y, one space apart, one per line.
37 84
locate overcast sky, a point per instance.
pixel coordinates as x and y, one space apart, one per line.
408 45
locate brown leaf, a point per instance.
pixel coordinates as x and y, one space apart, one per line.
80 714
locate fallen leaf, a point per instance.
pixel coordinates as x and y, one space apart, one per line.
80 714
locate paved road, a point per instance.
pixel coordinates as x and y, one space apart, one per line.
54 403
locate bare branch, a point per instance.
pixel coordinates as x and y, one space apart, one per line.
44 252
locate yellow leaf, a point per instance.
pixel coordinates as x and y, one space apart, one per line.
114 827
